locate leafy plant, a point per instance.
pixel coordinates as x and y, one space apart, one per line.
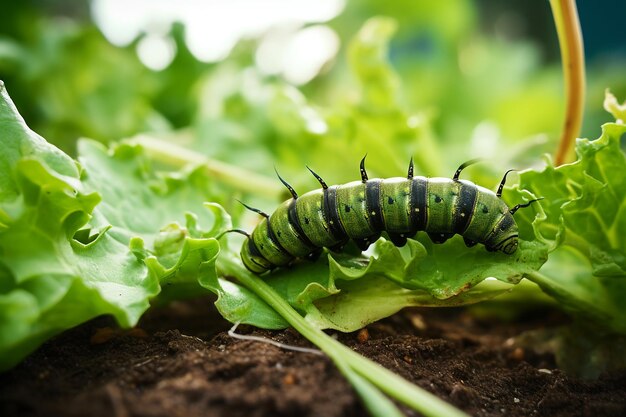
141 222
69 253
143 225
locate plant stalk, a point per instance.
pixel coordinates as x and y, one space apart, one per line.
387 381
177 156
573 62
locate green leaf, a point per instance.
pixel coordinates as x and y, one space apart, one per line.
18 141
368 57
100 237
238 304
52 276
235 302
424 275
612 106
348 292
379 118
163 216
567 277
586 215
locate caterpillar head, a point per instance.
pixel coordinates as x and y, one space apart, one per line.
252 258
505 236
509 246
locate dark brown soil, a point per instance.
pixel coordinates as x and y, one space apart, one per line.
180 362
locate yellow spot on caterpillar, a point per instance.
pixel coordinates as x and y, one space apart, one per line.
331 222
462 214
373 213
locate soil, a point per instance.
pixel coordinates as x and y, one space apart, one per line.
181 362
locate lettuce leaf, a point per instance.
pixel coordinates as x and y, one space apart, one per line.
347 292
51 277
102 236
585 214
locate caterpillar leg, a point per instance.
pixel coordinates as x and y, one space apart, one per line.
398 239
469 243
339 246
439 237
365 242
315 255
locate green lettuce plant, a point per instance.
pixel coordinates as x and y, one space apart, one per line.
69 253
76 244
141 222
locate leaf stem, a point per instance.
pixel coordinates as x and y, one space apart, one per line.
375 374
177 156
573 61
600 312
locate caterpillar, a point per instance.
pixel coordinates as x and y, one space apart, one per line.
361 210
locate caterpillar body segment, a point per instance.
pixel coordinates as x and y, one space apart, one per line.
361 210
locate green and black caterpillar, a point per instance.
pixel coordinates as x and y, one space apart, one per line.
361 210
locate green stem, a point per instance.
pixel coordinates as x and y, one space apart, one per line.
538 278
568 296
177 156
573 61
374 400
387 381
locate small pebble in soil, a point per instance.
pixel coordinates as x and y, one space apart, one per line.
417 320
289 379
517 354
363 335
102 335
462 393
137 332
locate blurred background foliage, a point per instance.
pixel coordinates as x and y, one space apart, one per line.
289 83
